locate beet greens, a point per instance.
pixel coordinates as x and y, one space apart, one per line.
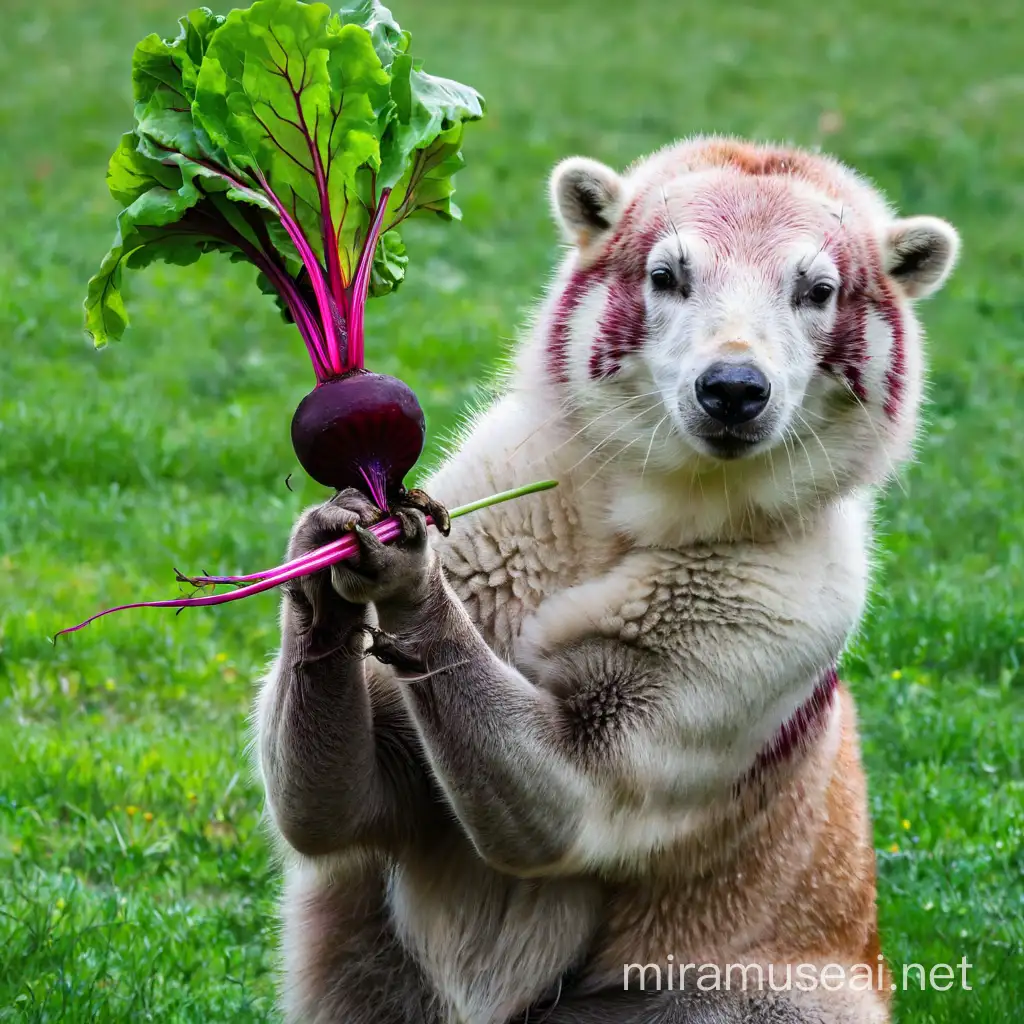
294 139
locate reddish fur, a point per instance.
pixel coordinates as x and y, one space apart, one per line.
846 349
622 328
623 323
728 216
582 280
756 161
864 287
895 377
807 724
807 865
569 301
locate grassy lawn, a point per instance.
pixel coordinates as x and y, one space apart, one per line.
135 882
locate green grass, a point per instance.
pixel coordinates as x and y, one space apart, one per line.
135 882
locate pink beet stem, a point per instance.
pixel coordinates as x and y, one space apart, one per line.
361 282
345 547
385 531
325 302
316 560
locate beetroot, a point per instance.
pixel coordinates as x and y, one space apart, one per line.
359 430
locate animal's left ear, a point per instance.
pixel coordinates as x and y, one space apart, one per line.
920 252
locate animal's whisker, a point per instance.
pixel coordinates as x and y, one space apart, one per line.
596 419
609 437
810 463
796 495
725 492
775 482
821 445
650 447
610 459
878 437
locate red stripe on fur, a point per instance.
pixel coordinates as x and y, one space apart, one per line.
558 340
846 349
806 723
580 282
622 329
895 377
623 326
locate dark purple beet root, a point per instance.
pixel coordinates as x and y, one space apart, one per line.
362 430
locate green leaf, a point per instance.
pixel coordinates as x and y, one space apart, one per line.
159 207
288 91
389 263
164 75
173 63
198 26
388 38
280 112
420 151
174 226
167 123
425 106
130 174
168 148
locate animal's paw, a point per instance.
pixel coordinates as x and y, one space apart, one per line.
428 506
398 572
392 650
321 524
313 595
394 573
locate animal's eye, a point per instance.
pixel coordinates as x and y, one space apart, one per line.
820 293
662 278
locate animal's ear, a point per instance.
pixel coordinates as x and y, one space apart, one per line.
588 199
920 252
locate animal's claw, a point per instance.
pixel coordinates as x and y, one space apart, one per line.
418 499
387 649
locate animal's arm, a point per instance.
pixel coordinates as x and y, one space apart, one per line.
591 759
529 768
336 748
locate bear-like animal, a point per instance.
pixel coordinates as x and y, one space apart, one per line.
601 726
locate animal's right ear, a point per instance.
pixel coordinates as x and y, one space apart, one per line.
588 199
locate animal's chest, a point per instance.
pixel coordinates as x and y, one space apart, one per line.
489 945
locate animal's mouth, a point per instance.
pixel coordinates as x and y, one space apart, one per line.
728 444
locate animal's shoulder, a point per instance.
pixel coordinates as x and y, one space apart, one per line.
506 565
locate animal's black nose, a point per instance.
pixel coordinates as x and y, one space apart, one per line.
733 394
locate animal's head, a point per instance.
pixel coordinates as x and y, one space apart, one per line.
742 314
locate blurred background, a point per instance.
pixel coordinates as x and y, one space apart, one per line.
135 879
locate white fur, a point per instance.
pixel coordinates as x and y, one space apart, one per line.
814 582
